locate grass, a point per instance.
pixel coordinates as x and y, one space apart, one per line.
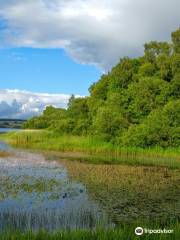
124 233
93 150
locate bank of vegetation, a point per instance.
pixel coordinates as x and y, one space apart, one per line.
136 104
125 232
92 149
132 112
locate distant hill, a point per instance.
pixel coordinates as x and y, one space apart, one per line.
11 123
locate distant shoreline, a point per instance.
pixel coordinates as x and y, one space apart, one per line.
11 123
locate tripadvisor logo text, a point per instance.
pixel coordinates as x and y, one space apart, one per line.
139 231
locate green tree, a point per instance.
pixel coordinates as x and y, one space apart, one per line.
147 69
135 104
153 49
109 124
176 40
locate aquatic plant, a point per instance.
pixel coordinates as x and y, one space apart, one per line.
94 150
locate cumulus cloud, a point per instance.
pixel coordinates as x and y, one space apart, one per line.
24 104
90 31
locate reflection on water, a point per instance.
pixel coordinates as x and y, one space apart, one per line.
4 146
38 194
4 130
35 193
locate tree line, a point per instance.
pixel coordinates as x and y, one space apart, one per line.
136 104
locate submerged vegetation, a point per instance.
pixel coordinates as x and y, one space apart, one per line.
130 193
136 104
38 194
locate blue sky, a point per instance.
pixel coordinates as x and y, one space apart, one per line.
45 70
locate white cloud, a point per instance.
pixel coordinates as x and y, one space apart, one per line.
91 31
24 104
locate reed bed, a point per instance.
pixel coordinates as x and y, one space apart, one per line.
121 233
52 220
94 150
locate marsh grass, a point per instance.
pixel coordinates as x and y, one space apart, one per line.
49 220
122 233
94 150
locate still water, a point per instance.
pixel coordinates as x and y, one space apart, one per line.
3 130
53 194
35 194
4 146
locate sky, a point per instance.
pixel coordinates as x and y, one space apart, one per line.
52 49
44 70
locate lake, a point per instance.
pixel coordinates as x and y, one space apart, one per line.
3 130
35 194
44 191
3 146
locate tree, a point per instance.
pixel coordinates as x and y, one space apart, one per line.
71 100
153 49
176 40
108 124
165 67
161 128
147 69
143 97
135 104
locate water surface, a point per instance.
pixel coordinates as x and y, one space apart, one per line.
4 130
35 194
4 146
58 194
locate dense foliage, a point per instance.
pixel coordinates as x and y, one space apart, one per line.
136 104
